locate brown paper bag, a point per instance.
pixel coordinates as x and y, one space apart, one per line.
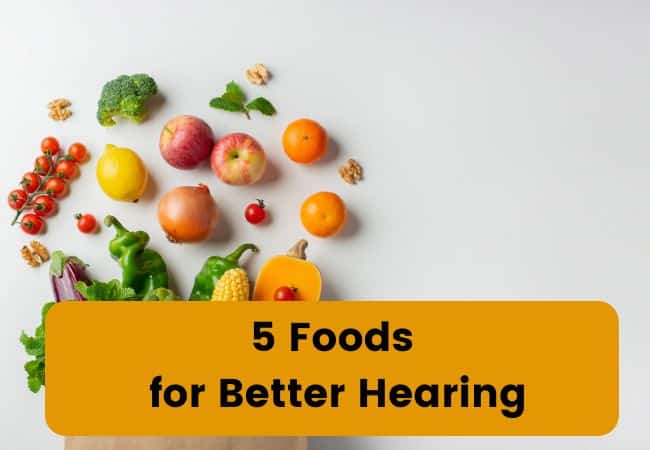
185 443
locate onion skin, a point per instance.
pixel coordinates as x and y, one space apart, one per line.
188 214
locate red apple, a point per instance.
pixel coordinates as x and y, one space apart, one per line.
238 158
185 142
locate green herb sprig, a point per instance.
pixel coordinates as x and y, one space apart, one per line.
234 100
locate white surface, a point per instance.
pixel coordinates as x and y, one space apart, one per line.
505 146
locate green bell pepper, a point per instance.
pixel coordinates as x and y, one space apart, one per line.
142 269
213 269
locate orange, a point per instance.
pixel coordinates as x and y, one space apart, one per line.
304 141
323 214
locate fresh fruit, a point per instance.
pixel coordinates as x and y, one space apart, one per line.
50 146
55 187
30 182
233 286
292 270
323 214
304 141
42 165
78 151
285 294
188 213
31 223
66 169
238 158
185 142
122 174
255 212
17 198
86 223
43 205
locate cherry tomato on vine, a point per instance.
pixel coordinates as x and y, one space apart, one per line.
66 169
78 151
285 294
51 145
30 182
17 198
56 186
255 212
43 205
31 223
86 223
42 165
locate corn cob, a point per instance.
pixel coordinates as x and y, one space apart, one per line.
233 286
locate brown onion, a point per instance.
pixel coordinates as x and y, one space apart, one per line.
188 214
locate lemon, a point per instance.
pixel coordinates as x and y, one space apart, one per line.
121 174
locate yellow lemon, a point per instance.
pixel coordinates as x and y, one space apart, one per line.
121 174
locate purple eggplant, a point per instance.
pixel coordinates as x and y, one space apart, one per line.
65 271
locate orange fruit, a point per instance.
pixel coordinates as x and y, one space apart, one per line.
304 141
323 214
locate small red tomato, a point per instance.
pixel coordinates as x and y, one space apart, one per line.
42 165
55 187
66 169
86 222
255 212
78 151
43 205
30 182
31 224
285 294
17 199
50 145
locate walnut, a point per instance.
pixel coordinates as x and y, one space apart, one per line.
40 250
351 172
258 74
59 109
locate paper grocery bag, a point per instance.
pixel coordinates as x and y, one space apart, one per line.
185 443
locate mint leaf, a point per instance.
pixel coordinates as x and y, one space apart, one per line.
227 105
234 93
262 105
111 290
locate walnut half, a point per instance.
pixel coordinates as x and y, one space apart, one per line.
351 172
258 74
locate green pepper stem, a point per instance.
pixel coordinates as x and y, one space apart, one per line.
235 255
112 221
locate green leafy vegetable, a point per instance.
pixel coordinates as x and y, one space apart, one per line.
35 346
234 93
59 260
110 290
234 100
221 103
161 294
262 105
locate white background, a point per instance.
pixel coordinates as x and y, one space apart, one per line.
505 146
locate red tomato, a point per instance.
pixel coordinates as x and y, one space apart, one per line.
78 151
30 182
255 212
17 199
43 205
42 165
86 222
55 187
285 294
66 169
31 224
51 145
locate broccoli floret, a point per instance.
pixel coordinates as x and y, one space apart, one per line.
125 96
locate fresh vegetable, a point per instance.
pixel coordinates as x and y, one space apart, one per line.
50 146
35 347
78 151
213 269
43 205
125 96
42 165
323 214
161 294
188 214
234 100
292 270
55 187
30 182
110 290
304 141
233 286
17 199
185 142
238 158
65 272
285 294
31 224
66 169
143 269
121 174
86 223
255 212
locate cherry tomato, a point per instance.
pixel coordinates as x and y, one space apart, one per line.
31 224
285 294
30 182
55 187
43 205
51 145
86 222
255 212
17 198
66 169
78 151
42 165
